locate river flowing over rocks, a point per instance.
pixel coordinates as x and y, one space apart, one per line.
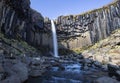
26 45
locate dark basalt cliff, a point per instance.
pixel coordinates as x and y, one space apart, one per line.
90 27
18 20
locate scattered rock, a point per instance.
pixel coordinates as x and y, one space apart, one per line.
97 64
37 68
86 67
36 73
105 67
88 61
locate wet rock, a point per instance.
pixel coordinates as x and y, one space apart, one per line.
80 56
118 75
97 64
1 51
36 61
105 67
37 67
85 67
26 60
1 69
88 61
11 79
36 72
118 72
106 80
114 71
3 76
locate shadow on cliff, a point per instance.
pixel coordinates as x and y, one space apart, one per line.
89 63
96 56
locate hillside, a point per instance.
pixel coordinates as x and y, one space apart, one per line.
107 50
106 54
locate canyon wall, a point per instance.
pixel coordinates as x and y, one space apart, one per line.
19 21
75 31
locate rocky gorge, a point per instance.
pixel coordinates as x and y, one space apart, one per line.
88 28
22 22
25 50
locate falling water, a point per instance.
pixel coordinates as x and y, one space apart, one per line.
55 44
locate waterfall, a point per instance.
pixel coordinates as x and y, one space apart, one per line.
55 44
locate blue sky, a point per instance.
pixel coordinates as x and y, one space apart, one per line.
55 8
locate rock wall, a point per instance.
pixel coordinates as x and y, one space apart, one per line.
76 31
18 20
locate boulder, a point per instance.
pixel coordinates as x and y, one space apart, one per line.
118 75
114 71
118 72
11 79
21 71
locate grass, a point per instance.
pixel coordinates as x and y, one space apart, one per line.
80 50
99 44
17 47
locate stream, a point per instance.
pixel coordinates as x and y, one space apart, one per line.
71 73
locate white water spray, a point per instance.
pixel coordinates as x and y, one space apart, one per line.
55 44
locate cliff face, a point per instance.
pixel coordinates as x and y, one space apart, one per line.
18 20
88 28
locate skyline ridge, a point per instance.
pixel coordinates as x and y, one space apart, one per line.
52 11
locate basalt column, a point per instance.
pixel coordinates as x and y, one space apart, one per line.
76 31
